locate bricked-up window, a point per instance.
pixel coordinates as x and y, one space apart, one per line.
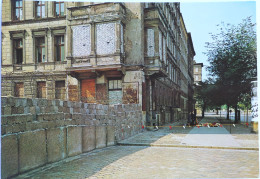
17 9
59 48
19 90
41 89
40 49
18 51
40 9
59 8
60 91
115 91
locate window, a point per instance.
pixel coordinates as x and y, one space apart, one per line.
59 48
60 91
115 85
18 90
41 89
150 42
196 69
17 10
18 51
59 8
40 9
40 49
196 77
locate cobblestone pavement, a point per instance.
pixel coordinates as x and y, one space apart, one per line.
155 162
163 162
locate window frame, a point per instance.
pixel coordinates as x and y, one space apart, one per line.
14 7
59 2
16 94
37 46
16 48
115 79
36 9
60 88
59 45
38 86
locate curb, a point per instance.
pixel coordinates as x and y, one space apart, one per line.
184 146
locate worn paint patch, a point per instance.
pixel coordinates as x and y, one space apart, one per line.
73 93
130 93
101 93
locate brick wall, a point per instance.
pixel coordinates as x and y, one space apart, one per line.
39 131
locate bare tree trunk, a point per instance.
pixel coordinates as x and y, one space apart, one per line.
203 111
236 116
228 112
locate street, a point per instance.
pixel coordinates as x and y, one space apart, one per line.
177 153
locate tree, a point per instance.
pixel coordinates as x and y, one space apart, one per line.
232 57
206 95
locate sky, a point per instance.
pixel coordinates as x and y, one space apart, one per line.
201 18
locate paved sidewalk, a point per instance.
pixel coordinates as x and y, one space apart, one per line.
130 162
213 137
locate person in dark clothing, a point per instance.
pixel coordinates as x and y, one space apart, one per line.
189 119
193 119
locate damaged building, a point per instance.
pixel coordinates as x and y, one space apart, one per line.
108 53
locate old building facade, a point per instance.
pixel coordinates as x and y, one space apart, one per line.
197 72
106 53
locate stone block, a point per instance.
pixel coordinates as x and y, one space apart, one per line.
56 144
20 102
6 110
17 110
100 136
74 140
9 156
4 101
110 135
32 151
88 138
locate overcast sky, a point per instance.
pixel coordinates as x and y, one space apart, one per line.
201 18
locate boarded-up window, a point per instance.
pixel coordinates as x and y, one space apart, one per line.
150 42
106 38
19 90
160 45
60 91
81 41
88 91
164 50
115 91
41 89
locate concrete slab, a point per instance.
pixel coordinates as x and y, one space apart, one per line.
32 151
100 136
56 144
74 141
88 138
9 156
